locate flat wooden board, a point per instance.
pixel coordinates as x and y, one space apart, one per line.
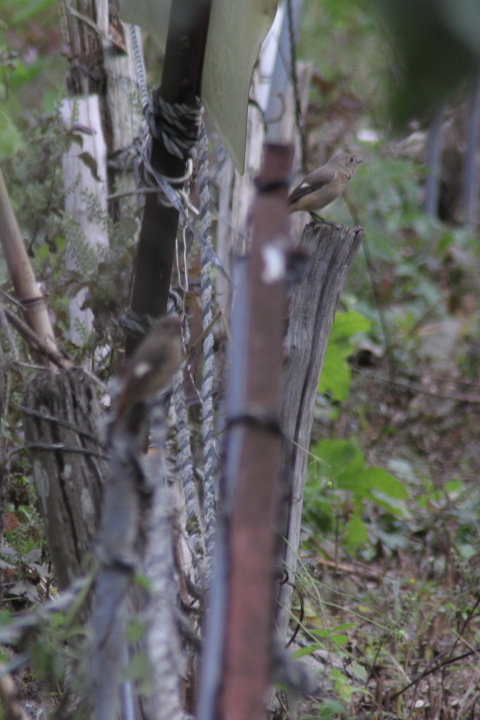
236 32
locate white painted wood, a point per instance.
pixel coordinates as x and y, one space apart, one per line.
80 184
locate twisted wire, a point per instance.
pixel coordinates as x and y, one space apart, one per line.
139 64
175 199
177 125
209 443
185 469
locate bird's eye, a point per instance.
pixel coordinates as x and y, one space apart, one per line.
352 158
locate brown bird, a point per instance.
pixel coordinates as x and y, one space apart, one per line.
151 366
324 185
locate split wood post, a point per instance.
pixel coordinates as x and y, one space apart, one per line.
101 100
60 415
69 465
60 412
332 249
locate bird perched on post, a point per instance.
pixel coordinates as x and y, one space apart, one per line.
323 186
151 366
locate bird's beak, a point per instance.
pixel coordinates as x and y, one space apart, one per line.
359 161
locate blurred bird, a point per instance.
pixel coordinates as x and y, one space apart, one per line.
323 186
151 366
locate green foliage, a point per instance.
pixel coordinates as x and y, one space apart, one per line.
335 33
24 74
420 533
27 9
411 269
416 280
327 710
23 552
431 49
437 47
31 68
139 671
339 484
335 376
341 685
332 634
10 137
47 656
34 178
135 630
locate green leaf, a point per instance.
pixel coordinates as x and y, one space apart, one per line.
355 532
5 617
25 72
341 684
344 626
453 486
339 639
379 479
330 635
321 633
42 252
11 140
344 465
29 8
138 667
361 481
465 550
135 630
142 581
392 505
340 457
359 671
329 709
335 376
57 619
302 652
348 323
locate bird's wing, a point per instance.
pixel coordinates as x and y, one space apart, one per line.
315 181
